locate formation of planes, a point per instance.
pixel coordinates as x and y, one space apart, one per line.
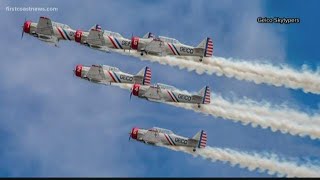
103 40
52 32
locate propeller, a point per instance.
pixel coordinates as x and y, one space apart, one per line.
129 136
131 92
130 95
25 19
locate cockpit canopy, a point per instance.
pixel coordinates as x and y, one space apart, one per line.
165 86
162 130
110 33
64 26
169 40
110 68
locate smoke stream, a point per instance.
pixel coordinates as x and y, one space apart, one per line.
285 76
247 112
247 115
265 162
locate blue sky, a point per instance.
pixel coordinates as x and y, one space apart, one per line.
53 124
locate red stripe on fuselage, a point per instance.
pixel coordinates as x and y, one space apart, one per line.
168 139
61 33
171 49
112 42
171 96
112 76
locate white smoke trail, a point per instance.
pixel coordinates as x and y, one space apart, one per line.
251 115
270 163
247 112
304 79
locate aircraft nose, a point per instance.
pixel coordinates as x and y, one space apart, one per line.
26 26
135 89
78 70
134 133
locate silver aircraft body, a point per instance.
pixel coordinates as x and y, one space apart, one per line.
48 31
103 40
160 136
163 46
104 74
166 93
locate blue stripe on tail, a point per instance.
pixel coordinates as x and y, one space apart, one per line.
200 139
144 76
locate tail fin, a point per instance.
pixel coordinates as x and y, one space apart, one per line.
205 93
148 35
207 45
201 136
146 74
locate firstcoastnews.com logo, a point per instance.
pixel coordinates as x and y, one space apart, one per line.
30 9
279 20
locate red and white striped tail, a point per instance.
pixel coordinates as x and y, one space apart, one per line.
203 140
209 48
206 97
147 76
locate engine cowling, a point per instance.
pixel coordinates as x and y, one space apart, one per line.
78 36
27 26
134 133
134 43
78 70
135 90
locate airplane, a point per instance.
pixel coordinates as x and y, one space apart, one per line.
166 93
102 40
48 31
104 74
166 137
162 46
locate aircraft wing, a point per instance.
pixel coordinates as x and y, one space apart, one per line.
151 136
44 26
96 73
152 94
155 47
96 38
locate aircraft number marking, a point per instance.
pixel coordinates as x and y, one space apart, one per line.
135 42
78 34
135 131
78 68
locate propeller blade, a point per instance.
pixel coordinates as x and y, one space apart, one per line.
22 34
131 92
129 136
25 19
